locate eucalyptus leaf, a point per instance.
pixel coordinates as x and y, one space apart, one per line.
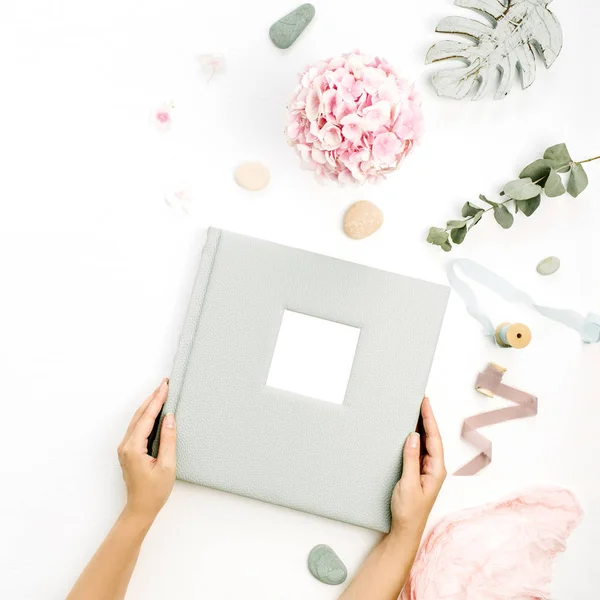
469 210
484 199
455 224
458 235
558 156
505 39
437 236
554 185
446 246
503 217
537 171
528 207
522 189
476 219
578 180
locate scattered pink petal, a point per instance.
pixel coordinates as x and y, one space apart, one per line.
161 117
212 64
179 199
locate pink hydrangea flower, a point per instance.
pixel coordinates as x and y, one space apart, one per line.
352 119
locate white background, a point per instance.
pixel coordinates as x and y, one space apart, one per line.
96 270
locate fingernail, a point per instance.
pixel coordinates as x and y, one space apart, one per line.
164 383
169 420
413 440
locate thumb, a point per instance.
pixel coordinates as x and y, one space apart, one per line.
411 465
168 438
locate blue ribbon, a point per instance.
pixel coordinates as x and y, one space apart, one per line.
587 327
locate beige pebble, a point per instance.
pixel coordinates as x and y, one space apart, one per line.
362 219
252 176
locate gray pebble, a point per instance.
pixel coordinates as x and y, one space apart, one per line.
548 265
326 565
285 32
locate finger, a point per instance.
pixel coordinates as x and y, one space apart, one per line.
433 439
140 411
168 438
145 424
411 464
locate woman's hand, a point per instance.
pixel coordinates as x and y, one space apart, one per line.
386 569
149 480
422 477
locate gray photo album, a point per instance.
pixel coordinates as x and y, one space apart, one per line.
265 407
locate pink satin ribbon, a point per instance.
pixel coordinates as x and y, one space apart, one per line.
490 384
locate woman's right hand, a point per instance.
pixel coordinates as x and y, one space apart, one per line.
387 568
422 477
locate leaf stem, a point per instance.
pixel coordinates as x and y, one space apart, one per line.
580 162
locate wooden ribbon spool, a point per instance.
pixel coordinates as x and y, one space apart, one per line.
513 335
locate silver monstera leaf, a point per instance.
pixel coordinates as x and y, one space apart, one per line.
502 45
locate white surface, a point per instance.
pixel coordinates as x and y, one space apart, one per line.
313 357
96 270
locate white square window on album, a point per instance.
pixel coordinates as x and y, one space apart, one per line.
313 357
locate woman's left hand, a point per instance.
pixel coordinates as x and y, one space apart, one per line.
149 480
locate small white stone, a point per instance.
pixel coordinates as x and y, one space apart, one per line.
252 176
362 219
548 266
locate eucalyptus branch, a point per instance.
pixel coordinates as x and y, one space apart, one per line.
588 160
542 176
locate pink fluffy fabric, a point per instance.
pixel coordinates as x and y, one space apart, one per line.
500 551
